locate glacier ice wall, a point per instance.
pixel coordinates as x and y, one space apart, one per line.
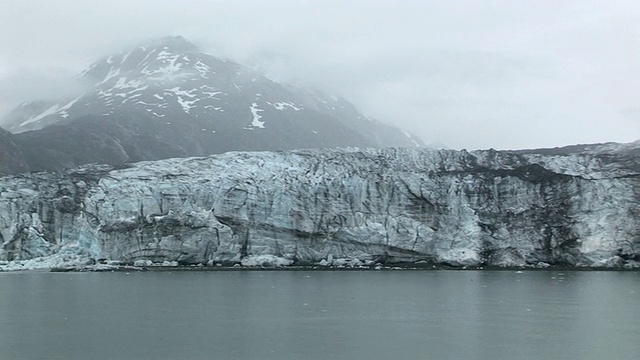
389 206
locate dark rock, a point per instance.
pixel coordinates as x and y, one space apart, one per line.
12 159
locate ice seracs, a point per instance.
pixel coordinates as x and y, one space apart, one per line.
346 207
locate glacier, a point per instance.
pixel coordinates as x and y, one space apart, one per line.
338 207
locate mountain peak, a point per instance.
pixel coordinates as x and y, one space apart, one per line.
176 44
162 58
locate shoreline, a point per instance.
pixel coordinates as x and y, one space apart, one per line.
202 268
76 263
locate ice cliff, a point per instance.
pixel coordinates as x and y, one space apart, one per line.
330 206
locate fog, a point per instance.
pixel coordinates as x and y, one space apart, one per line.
467 74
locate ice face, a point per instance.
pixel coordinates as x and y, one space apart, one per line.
312 206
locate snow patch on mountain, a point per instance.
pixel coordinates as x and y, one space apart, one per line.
186 105
125 57
212 94
410 137
169 70
50 111
63 110
256 117
187 93
285 105
203 69
136 84
113 72
211 107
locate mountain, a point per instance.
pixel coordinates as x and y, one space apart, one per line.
332 207
12 159
166 99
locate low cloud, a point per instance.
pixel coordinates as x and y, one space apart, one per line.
466 73
40 84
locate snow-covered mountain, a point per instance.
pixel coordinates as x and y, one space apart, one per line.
166 98
320 207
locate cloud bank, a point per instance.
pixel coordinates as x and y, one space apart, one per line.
465 73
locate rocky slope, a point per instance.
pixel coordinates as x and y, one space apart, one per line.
167 99
12 159
333 206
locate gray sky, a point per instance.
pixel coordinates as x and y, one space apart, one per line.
466 73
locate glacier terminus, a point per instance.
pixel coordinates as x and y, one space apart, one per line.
340 207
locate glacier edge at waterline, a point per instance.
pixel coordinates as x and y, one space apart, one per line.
306 207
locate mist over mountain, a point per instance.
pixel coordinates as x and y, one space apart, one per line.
167 99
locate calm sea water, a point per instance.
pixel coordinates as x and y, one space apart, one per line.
321 315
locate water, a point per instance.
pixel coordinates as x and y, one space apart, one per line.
321 315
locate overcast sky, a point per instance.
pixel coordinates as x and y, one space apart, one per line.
469 74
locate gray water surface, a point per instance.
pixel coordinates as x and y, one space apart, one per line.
321 315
